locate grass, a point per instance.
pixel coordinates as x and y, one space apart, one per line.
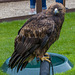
65 45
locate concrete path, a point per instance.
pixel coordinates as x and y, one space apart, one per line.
13 9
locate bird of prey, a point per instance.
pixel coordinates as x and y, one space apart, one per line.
37 35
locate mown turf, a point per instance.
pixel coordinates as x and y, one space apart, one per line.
65 45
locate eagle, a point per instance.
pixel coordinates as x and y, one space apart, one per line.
37 35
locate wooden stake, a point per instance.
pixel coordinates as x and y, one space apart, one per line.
38 6
64 2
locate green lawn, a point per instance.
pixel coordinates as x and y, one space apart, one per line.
65 45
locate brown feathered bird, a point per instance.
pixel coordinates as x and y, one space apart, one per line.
37 35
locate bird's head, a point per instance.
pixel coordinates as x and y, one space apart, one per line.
56 9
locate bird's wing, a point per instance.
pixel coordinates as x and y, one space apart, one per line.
32 35
24 47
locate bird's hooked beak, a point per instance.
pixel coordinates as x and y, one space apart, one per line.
56 11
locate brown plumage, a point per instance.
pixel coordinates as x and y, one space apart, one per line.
37 35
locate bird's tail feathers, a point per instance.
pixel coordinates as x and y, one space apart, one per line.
18 61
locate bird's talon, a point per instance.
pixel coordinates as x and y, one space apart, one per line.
45 58
46 54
